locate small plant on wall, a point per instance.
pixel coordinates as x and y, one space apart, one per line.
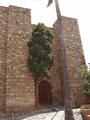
87 84
86 75
40 57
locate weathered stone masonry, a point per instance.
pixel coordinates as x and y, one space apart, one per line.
3 37
15 77
17 88
75 59
20 89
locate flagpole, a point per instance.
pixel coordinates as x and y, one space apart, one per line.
68 105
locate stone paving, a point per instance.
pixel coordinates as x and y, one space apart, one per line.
43 114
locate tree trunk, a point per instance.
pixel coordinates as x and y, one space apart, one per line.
68 105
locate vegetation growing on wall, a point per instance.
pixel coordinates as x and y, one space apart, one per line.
40 57
86 75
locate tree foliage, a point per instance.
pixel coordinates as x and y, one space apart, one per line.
86 75
40 58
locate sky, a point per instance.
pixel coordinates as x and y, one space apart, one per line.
71 8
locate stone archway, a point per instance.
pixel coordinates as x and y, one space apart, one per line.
45 94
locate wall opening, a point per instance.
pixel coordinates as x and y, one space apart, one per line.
45 93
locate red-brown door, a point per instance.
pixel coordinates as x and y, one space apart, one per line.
45 94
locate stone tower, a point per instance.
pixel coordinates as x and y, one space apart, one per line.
74 56
17 87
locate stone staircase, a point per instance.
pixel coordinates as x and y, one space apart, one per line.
85 111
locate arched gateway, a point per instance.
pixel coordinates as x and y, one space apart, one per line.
45 94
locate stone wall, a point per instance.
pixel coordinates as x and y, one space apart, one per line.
75 59
56 70
17 87
20 91
3 37
55 80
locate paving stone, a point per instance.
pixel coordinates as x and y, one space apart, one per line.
43 114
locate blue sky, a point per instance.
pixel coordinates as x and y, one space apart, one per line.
72 8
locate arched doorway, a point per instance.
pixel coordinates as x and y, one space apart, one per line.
45 94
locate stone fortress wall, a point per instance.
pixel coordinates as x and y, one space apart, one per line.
17 87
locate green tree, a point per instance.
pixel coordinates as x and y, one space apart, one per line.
40 58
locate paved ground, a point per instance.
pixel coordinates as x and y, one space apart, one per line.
43 114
